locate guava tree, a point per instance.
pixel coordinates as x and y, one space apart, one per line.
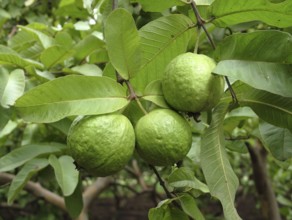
64 59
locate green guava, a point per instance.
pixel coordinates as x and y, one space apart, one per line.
189 85
163 137
102 145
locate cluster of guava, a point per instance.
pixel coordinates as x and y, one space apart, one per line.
102 145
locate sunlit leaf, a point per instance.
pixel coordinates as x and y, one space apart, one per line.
13 89
44 39
162 40
71 95
66 173
227 13
122 41
10 57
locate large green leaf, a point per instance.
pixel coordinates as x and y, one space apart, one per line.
71 95
10 57
23 154
267 46
217 170
24 175
275 109
270 77
277 140
230 12
66 173
44 39
153 93
122 41
161 41
11 88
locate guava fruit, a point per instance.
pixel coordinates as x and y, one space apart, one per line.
102 145
163 137
189 85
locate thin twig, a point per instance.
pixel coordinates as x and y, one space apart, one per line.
161 182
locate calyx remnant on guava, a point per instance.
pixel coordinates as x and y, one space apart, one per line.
189 85
163 137
102 145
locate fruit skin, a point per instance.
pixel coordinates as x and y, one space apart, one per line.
189 85
163 137
102 145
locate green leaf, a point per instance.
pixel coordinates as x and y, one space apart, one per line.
122 41
157 5
74 202
5 116
217 170
71 95
10 57
23 154
8 128
44 39
85 69
13 89
184 177
55 55
153 93
24 175
266 46
66 173
275 109
227 13
265 76
86 46
189 206
166 213
162 40
276 140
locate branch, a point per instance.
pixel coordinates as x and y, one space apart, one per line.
37 190
95 189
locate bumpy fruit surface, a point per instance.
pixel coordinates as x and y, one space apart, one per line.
102 145
189 85
163 137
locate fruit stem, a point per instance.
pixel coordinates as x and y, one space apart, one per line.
198 40
114 4
201 24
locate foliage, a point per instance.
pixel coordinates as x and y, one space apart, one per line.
60 59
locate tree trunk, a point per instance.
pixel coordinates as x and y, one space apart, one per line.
269 206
